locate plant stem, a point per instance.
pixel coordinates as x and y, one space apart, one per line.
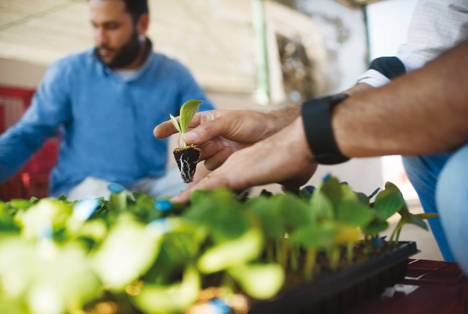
284 250
228 282
277 249
398 236
270 251
309 266
293 258
334 258
350 251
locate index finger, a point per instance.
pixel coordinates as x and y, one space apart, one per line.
167 128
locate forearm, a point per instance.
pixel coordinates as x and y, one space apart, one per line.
424 112
284 117
15 150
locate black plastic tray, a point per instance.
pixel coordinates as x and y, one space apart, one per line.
337 292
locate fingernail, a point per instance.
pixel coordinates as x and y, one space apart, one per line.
190 137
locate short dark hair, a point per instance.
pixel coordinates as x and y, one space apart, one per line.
136 8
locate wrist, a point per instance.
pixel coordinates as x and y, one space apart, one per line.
316 116
300 138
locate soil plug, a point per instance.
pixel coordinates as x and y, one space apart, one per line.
186 157
187 160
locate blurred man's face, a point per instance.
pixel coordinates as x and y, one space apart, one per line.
115 33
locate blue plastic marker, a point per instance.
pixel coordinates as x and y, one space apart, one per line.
115 188
377 242
85 208
163 205
326 177
220 307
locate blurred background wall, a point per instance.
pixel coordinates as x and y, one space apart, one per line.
247 54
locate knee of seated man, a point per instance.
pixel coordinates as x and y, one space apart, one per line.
452 204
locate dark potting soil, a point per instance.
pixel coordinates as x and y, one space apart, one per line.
322 266
335 291
187 160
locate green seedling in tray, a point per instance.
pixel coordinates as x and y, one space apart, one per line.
145 255
186 157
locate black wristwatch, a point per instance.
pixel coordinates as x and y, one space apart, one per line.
319 133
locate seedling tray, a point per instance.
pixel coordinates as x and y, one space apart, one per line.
346 288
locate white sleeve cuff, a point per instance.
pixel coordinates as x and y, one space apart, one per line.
373 78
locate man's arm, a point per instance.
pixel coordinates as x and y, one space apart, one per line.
424 112
49 108
221 133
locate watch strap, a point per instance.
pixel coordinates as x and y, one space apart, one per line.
318 129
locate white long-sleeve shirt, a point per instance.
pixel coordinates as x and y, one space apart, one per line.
436 26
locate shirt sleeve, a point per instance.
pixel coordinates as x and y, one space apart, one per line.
436 27
50 108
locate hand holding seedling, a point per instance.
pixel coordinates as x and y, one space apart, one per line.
186 157
284 158
220 133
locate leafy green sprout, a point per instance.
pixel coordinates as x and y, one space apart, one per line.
247 245
187 112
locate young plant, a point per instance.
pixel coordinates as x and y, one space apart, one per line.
187 112
186 157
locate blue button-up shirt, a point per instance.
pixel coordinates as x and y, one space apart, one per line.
106 123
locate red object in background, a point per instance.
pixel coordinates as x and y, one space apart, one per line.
33 178
429 287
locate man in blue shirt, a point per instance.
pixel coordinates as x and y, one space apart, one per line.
106 102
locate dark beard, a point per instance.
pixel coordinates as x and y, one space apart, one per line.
126 55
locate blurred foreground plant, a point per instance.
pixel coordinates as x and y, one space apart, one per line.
136 254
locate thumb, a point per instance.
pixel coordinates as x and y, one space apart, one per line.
206 131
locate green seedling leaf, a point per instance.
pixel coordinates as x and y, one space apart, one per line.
28 268
127 253
272 224
332 189
345 234
363 199
407 218
47 215
175 298
7 223
293 211
427 215
350 211
389 201
375 227
232 253
176 123
261 281
321 205
318 237
219 212
419 222
187 112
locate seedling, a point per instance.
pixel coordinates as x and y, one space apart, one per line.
186 157
147 255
